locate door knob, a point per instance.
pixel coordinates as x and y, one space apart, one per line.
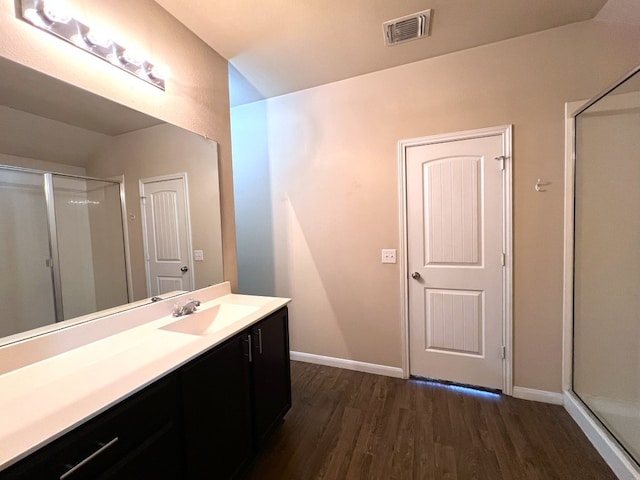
184 269
416 276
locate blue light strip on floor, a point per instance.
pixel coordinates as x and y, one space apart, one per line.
459 388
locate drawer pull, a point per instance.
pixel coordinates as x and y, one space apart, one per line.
260 340
88 459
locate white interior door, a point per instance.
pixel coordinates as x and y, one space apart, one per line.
167 234
455 222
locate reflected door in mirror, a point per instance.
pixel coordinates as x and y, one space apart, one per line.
167 238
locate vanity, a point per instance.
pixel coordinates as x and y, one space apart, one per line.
144 394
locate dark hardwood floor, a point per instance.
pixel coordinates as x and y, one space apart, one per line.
352 425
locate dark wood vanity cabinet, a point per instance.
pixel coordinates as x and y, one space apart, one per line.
138 438
233 398
217 411
271 374
207 420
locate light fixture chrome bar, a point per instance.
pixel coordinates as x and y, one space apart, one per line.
47 15
53 247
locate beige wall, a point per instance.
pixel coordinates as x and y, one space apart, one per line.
196 97
333 166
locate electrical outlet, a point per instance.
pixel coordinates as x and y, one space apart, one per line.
388 255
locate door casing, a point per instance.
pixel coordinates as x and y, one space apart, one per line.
505 131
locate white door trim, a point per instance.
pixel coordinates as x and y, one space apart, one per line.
176 176
507 273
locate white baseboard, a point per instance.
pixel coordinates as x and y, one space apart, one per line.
538 395
616 458
348 364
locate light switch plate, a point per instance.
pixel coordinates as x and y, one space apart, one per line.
388 255
198 255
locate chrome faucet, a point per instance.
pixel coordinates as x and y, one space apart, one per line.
186 308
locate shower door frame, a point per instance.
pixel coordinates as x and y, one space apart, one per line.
53 237
606 444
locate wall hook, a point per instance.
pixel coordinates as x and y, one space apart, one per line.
540 184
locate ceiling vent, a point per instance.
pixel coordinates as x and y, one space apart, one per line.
405 29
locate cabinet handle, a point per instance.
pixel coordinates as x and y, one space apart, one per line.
260 341
250 349
103 447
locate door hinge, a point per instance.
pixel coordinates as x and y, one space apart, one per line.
501 159
144 200
503 352
503 259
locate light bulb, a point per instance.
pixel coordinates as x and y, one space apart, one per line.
132 57
98 38
32 15
56 12
159 72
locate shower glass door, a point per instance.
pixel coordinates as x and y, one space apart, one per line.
606 314
90 244
26 289
63 248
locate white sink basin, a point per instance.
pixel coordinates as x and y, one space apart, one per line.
210 320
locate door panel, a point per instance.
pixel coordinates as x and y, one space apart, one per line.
452 201
455 237
454 321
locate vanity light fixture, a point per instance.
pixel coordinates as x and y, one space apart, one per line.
54 16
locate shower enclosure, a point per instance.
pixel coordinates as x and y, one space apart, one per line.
606 261
63 248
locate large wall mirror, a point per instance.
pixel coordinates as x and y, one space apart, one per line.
606 273
101 207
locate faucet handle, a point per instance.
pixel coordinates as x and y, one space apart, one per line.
185 308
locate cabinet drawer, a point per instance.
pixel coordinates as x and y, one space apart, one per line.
93 448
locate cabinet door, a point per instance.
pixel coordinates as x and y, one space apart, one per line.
271 374
217 417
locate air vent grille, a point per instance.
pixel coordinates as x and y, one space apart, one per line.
407 28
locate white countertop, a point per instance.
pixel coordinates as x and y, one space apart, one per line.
75 381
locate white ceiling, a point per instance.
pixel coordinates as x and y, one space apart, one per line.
281 46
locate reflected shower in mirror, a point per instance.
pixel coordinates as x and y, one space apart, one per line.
50 126
69 262
606 310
